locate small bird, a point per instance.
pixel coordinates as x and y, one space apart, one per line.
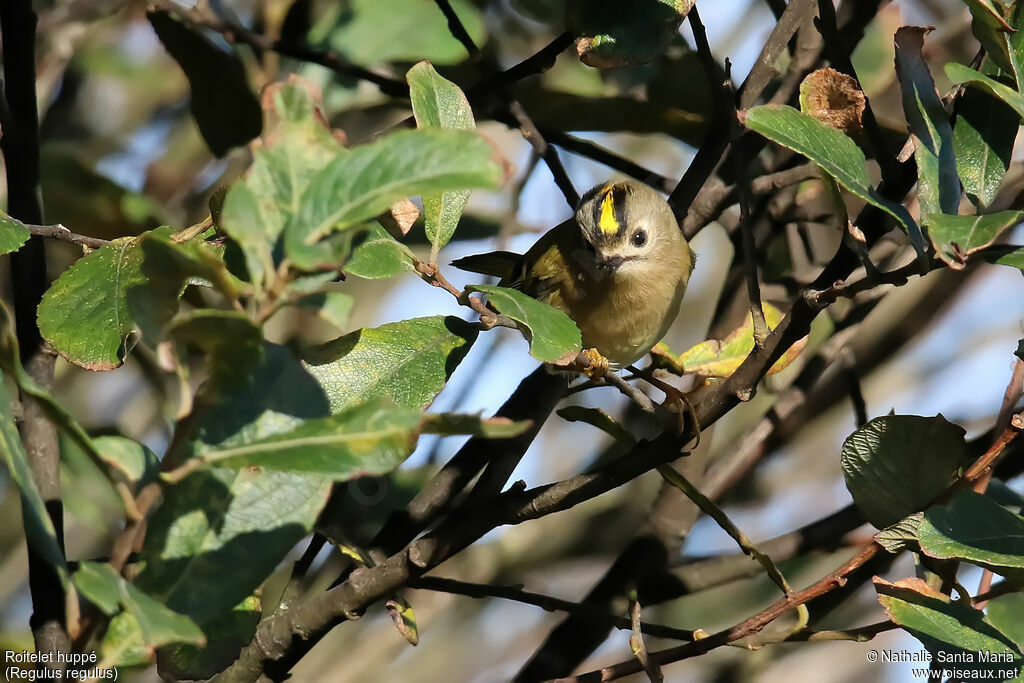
618 268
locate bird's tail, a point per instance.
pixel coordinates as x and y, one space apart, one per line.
500 264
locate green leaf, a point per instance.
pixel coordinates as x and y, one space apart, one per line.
439 103
379 255
958 73
901 535
358 186
983 141
13 234
123 645
295 145
100 585
989 27
952 631
553 336
227 636
834 152
219 533
369 32
938 186
453 424
896 465
332 307
612 33
158 624
370 439
91 310
975 529
1004 613
600 419
226 111
407 362
136 462
365 440
38 528
955 237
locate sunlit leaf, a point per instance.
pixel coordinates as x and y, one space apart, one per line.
955 237
834 152
714 358
958 73
553 336
439 103
379 255
406 362
358 186
13 234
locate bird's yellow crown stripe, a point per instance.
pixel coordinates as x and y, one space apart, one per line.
608 224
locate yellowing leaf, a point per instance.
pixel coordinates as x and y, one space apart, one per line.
714 358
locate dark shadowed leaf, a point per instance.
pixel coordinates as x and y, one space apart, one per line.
227 635
224 107
331 307
370 32
13 234
439 103
219 533
938 186
955 629
230 340
553 336
896 465
406 362
612 33
975 529
955 237
834 152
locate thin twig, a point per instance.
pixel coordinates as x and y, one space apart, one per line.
547 602
457 29
61 233
548 153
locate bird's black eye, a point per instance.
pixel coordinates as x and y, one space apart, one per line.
639 238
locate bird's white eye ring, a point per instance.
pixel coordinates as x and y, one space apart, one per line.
639 238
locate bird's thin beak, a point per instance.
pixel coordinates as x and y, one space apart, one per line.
610 263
